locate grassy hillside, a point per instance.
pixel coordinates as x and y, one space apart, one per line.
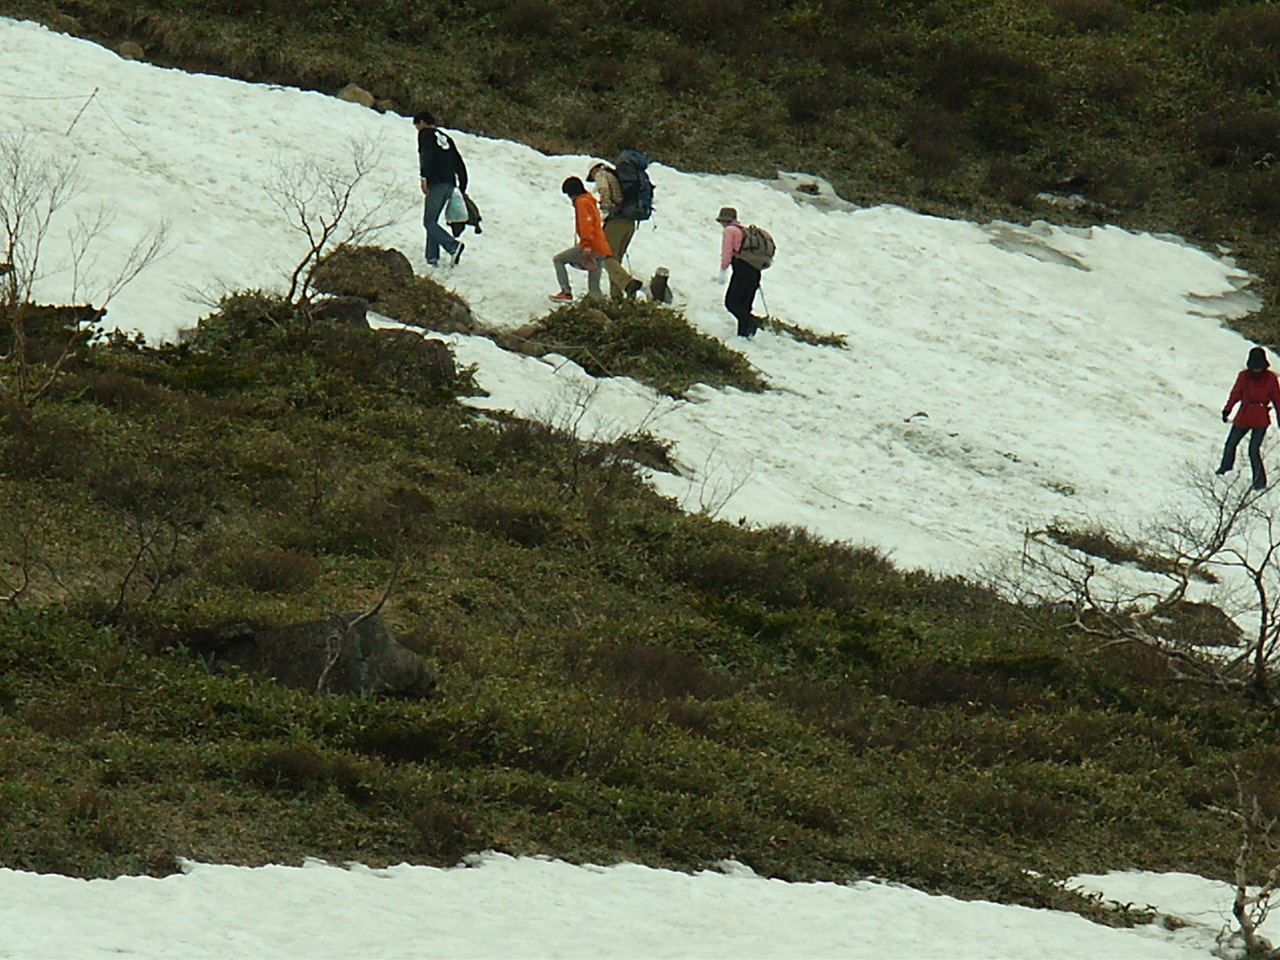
617 680
1156 116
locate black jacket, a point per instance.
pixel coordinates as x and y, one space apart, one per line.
439 160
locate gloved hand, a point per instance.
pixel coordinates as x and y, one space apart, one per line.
723 274
1226 415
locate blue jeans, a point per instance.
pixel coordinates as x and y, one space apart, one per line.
437 236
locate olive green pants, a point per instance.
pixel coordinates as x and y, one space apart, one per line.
619 233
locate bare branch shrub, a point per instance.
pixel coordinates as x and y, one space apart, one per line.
34 189
1230 538
330 208
1252 905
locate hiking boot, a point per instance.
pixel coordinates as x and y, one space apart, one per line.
633 287
457 253
561 297
1222 470
1259 484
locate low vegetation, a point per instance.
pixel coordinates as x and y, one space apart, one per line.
617 680
644 341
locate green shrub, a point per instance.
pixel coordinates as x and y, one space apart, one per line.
1248 44
445 832
43 443
659 673
1092 15
363 271
645 341
680 70
1238 137
301 769
267 570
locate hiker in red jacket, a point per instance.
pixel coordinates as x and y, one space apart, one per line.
1255 389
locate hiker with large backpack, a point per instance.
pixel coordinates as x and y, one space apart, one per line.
747 250
626 198
442 171
592 248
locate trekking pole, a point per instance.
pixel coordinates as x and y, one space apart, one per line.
760 289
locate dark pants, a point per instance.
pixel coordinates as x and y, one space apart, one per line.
1255 452
741 296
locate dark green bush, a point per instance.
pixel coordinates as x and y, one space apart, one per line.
303 769
1092 15
659 673
645 341
1238 137
680 70
445 832
267 570
43 444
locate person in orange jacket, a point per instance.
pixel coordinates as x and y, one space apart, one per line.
591 250
1256 388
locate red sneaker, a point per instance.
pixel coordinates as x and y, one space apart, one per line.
561 297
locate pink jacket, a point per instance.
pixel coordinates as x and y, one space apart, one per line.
731 243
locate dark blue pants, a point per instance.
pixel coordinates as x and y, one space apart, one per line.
1255 452
741 297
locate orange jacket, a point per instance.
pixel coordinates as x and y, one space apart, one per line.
586 216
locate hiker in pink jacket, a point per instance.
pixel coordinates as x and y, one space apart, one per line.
741 295
1256 390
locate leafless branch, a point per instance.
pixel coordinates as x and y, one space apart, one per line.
329 207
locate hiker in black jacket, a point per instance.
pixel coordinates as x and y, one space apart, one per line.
442 171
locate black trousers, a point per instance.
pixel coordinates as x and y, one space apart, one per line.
741 296
1255 452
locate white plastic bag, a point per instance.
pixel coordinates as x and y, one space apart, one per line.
456 209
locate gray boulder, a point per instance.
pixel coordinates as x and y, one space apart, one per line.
426 360
397 264
356 94
347 653
345 311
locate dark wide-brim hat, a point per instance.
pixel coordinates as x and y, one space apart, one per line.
727 215
1257 359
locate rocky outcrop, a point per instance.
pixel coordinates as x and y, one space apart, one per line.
347 653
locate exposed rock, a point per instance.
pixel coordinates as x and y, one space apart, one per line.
460 317
64 23
354 94
1199 625
524 339
347 311
397 265
347 653
131 50
426 359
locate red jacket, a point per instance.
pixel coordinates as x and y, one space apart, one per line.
1254 391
